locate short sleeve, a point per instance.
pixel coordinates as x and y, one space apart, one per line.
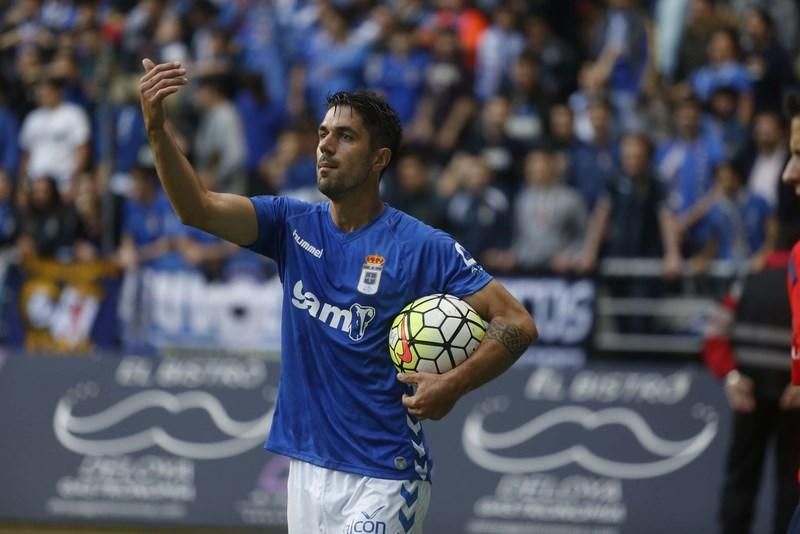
271 215
79 132
451 268
128 218
26 133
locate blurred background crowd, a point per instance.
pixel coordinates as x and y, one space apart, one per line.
544 135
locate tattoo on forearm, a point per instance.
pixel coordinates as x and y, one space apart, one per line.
512 337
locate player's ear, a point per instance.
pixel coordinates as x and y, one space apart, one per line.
382 158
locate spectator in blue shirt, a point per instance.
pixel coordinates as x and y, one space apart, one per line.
633 219
529 99
685 164
262 120
488 138
620 53
122 138
9 134
447 104
498 48
290 169
478 213
738 220
724 69
150 228
410 188
333 60
592 165
399 72
723 120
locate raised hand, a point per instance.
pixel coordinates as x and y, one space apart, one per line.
159 81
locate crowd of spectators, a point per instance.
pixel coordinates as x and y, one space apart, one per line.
544 135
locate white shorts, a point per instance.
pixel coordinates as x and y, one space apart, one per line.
325 501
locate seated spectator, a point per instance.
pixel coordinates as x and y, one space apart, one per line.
738 221
766 60
633 219
620 51
332 60
704 18
458 16
291 169
549 221
265 45
725 123
528 98
169 38
590 88
724 69
592 165
685 163
89 240
205 252
557 59
411 190
9 145
498 48
122 149
9 218
447 105
399 72
488 138
561 135
762 163
262 120
219 144
54 138
64 66
150 228
50 226
478 213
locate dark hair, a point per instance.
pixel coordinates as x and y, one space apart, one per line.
792 105
764 16
380 119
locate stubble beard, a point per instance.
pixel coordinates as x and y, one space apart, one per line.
338 191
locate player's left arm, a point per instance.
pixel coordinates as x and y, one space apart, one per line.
511 330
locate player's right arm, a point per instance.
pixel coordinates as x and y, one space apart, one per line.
230 217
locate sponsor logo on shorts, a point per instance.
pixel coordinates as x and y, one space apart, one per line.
366 524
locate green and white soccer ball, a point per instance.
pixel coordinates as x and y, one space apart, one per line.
433 334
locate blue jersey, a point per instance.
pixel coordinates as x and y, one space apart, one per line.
339 402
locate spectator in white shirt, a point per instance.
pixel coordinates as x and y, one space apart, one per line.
54 138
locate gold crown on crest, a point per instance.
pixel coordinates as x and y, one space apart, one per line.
374 259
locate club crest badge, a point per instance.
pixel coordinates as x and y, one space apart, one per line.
371 274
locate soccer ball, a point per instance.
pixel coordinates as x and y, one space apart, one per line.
434 333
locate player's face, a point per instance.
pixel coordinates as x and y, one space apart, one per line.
791 174
343 153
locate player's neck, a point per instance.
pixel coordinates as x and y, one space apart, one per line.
351 213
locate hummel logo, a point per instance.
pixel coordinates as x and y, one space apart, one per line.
305 245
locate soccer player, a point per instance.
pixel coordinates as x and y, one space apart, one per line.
348 422
791 175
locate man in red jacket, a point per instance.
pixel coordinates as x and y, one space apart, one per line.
746 346
791 175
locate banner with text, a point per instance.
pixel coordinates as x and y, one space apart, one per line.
606 449
620 449
181 310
